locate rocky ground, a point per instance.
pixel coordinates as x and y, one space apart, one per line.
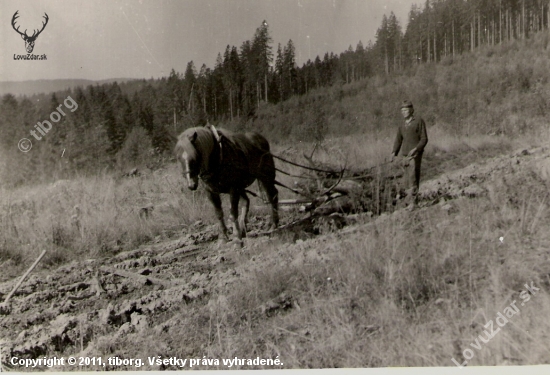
82 308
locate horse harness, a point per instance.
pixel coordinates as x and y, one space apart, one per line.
207 177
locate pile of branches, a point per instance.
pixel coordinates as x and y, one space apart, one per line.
326 188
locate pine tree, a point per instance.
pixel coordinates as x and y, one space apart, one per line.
263 57
289 69
279 66
190 78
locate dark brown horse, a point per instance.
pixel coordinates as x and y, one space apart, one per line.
228 163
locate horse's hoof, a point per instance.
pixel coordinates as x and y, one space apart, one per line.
242 227
221 241
238 243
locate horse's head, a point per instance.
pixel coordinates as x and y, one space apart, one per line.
189 158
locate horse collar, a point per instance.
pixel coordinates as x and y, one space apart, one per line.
218 138
216 134
207 175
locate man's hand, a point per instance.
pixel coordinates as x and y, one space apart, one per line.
412 153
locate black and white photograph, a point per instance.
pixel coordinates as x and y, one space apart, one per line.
275 185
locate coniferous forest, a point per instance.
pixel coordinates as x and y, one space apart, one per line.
118 126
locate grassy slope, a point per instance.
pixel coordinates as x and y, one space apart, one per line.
46 217
403 289
407 289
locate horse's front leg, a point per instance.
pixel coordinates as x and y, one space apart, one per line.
234 197
217 203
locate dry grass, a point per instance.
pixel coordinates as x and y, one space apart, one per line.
404 291
409 289
94 217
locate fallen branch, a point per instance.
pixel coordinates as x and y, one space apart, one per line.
321 200
74 287
78 298
140 278
4 305
294 201
97 284
293 333
329 190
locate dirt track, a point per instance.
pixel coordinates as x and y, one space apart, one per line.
81 307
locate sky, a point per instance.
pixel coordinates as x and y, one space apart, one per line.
104 39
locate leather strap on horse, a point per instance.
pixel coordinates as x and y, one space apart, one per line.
218 138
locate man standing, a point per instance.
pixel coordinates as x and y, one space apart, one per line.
411 139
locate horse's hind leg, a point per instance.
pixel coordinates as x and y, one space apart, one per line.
217 202
243 218
273 198
234 197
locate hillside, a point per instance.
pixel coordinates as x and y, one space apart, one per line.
501 89
408 288
47 86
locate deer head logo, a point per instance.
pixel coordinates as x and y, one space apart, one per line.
29 40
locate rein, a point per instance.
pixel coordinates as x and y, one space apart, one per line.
295 175
302 166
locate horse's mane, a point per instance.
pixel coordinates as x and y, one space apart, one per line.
205 145
205 141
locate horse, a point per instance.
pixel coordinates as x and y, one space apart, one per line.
227 163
